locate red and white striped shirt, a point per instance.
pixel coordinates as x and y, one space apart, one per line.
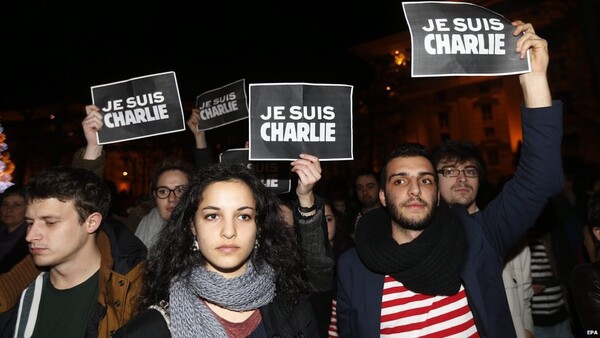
408 314
333 330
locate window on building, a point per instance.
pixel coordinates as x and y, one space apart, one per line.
486 111
484 88
489 132
443 118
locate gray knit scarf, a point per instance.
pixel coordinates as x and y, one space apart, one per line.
190 317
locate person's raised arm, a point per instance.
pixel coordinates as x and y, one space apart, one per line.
199 136
536 91
539 174
91 124
91 157
202 153
308 169
310 224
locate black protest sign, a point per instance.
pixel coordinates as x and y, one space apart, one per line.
275 175
223 105
287 119
139 107
457 38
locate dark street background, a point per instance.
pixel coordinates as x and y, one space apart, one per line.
56 52
52 53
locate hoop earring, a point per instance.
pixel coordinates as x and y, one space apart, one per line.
195 245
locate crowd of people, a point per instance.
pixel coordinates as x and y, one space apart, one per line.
219 254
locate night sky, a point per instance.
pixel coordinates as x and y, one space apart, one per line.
53 54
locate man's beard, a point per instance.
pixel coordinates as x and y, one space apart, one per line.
370 204
407 223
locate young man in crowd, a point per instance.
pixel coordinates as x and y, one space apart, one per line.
366 188
461 168
91 265
421 268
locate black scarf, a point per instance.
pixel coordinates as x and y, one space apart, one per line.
430 264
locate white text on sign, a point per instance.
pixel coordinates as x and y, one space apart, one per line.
437 43
299 131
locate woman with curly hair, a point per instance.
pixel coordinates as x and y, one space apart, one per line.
224 265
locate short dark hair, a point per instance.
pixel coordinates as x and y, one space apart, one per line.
15 189
405 150
88 192
459 151
368 171
170 164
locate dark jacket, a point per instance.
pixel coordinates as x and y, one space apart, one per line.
320 261
585 285
17 252
316 250
277 319
490 234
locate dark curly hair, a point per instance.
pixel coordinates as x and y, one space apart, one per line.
172 256
459 151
